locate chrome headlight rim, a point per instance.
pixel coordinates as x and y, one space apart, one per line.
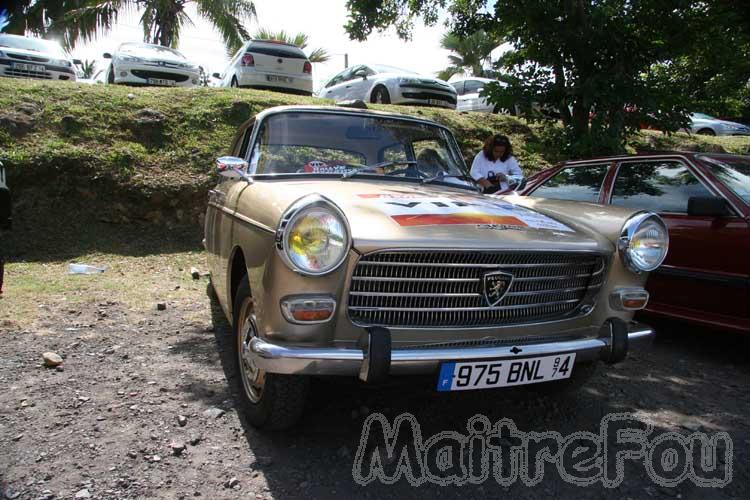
629 229
297 210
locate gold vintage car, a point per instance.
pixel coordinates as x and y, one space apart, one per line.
353 243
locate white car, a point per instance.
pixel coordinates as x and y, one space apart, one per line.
147 64
388 85
24 57
468 96
269 65
708 125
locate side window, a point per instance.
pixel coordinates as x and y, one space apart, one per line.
473 86
581 183
663 186
459 86
245 142
336 79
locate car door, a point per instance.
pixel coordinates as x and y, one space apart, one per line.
336 87
359 83
461 104
222 202
696 280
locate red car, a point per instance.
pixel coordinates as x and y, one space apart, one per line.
705 200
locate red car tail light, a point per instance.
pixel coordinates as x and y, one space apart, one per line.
307 68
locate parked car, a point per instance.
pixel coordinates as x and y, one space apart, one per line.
468 90
704 124
704 200
378 83
270 65
338 246
26 57
146 64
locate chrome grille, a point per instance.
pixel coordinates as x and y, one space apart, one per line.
446 288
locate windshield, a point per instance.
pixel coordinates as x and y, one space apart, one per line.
335 143
382 68
734 173
52 49
144 50
701 116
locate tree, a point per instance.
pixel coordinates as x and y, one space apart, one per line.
88 68
318 55
162 20
472 53
602 66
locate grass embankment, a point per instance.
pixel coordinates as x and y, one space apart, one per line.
80 156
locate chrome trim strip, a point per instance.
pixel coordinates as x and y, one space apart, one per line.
429 280
241 217
448 309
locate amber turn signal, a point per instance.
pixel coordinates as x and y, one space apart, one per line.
628 299
307 309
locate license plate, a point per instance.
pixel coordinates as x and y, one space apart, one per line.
161 81
470 375
275 78
28 67
434 102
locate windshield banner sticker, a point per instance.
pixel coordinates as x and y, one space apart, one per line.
418 210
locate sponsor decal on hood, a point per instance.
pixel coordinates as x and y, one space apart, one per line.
407 209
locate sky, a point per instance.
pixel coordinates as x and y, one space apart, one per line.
323 21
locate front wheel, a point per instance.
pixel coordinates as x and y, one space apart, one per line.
269 400
380 96
706 131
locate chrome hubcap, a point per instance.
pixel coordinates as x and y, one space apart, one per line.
253 378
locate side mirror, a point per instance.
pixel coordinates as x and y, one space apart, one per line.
77 62
708 206
107 55
361 74
216 75
232 167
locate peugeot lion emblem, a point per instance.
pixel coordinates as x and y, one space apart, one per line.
496 285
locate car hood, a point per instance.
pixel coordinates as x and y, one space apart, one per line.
404 215
32 53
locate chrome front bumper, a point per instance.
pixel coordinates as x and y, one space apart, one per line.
331 361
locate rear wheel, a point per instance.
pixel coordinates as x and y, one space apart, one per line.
235 84
380 95
706 131
269 400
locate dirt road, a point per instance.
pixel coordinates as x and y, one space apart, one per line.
143 409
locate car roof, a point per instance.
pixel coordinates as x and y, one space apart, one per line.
343 111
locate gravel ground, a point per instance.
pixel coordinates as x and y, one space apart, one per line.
141 408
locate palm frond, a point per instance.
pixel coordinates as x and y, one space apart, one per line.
319 55
227 17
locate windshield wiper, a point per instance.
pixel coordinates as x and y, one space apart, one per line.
376 167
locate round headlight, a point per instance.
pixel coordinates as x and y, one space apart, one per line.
314 236
644 242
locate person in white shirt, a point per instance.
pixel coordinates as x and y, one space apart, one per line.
494 164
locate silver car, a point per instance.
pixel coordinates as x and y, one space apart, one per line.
708 125
25 57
